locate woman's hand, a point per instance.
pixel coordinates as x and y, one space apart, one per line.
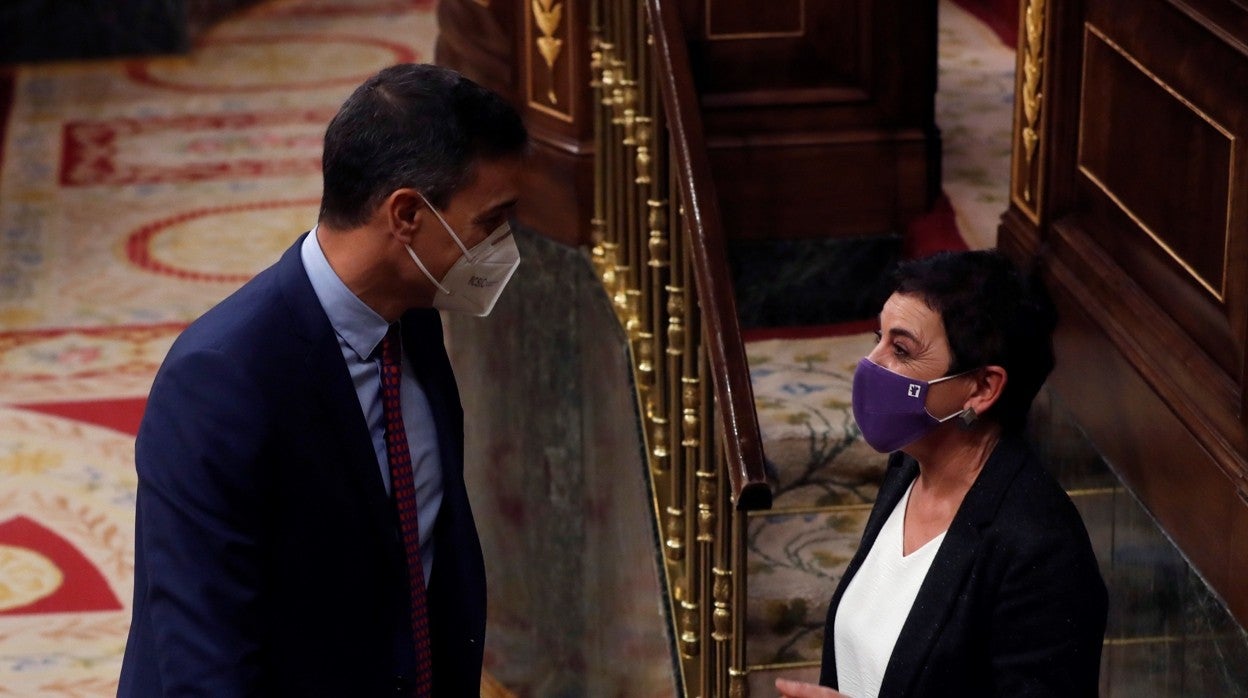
797 689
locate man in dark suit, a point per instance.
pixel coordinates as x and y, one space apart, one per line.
302 523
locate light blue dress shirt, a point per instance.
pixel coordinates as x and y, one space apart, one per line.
360 331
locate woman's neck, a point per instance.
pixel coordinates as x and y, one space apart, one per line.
949 467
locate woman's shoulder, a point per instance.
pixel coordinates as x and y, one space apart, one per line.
1033 504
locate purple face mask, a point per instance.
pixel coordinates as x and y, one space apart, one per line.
891 409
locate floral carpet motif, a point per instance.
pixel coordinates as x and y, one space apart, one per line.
134 195
144 191
66 554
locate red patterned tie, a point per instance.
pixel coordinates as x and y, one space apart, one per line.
403 485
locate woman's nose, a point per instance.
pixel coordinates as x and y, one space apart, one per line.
879 354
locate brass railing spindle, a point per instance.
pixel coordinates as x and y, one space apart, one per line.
658 250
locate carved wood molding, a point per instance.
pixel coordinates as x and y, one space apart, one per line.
549 16
1029 85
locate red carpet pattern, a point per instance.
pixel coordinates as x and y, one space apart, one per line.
134 195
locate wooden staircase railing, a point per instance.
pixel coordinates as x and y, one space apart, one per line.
659 252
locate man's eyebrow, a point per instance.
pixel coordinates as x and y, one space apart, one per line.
496 209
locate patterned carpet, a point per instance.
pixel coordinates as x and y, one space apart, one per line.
975 113
135 194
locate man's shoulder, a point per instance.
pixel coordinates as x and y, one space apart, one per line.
244 312
258 310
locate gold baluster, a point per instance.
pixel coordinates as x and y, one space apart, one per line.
722 593
706 505
628 112
690 644
691 422
641 139
658 234
659 444
675 321
643 350
675 543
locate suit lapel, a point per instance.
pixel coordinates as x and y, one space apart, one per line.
946 579
422 335
343 429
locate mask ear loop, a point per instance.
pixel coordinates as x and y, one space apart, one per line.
447 226
965 417
411 253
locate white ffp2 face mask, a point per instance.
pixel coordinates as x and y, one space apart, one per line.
476 280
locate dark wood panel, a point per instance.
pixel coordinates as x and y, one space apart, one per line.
556 79
736 48
1188 220
1136 198
479 41
829 132
864 62
1164 86
853 79
851 186
536 54
556 192
1166 357
777 18
1237 549
1156 455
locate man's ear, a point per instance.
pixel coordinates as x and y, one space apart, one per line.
989 384
402 212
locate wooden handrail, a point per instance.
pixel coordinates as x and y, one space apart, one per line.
722 333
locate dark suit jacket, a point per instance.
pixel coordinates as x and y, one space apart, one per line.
267 556
1013 604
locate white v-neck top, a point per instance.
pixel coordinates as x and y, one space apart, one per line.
876 605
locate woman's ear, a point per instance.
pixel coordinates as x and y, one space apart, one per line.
402 211
989 384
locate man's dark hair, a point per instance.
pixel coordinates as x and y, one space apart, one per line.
411 125
993 316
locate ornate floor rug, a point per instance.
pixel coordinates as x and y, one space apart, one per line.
975 113
134 195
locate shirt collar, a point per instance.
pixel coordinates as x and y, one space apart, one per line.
357 324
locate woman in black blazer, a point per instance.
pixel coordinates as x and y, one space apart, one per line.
975 575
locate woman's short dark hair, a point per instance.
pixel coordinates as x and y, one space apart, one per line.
411 125
993 316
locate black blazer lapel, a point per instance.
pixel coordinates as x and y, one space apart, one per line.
946 579
343 430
